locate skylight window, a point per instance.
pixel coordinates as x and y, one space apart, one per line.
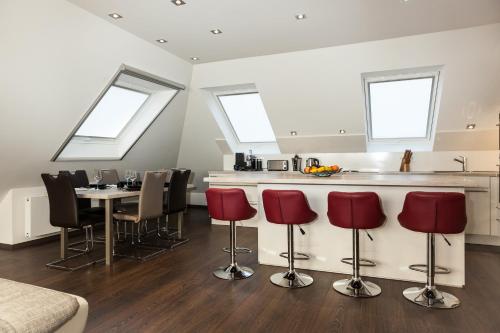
122 113
113 112
248 117
401 109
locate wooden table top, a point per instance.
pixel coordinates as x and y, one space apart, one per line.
112 193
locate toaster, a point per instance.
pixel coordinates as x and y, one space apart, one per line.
277 165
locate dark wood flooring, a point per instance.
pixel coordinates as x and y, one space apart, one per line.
176 292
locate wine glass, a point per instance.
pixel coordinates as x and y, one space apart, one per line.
97 177
133 176
128 173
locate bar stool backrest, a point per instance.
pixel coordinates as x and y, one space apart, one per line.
434 212
151 197
62 201
355 210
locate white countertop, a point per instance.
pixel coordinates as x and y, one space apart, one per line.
417 179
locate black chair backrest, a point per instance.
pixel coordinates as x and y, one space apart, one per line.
175 198
62 201
79 179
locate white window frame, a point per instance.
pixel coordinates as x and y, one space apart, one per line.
397 144
225 124
127 70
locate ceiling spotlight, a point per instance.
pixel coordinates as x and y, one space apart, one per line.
178 2
342 131
216 31
116 16
293 133
195 58
300 16
470 126
161 40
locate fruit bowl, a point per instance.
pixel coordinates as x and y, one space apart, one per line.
322 171
325 173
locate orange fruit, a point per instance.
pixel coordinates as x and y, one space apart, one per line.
307 170
335 168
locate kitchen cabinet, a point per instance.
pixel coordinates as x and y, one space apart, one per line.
495 216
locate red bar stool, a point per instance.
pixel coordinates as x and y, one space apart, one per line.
290 208
356 210
433 213
230 205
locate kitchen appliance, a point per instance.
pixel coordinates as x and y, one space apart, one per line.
277 165
296 163
310 162
240 163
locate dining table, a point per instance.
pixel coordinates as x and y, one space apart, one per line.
107 196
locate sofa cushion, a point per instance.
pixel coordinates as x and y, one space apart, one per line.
28 308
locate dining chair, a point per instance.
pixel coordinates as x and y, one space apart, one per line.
110 176
65 214
175 204
150 207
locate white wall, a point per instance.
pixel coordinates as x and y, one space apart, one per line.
55 59
317 92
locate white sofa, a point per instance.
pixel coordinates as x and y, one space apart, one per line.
28 308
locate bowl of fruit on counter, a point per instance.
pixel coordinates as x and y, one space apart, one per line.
322 171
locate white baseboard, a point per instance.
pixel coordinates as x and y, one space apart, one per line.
197 199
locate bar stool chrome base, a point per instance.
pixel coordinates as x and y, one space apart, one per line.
233 272
431 298
291 280
357 288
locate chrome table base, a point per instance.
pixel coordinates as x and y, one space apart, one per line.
357 288
233 272
431 298
291 280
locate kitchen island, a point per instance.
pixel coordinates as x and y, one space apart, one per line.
393 248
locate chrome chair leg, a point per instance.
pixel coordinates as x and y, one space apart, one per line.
89 245
429 296
355 286
233 271
291 278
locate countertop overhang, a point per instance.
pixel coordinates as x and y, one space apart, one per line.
416 179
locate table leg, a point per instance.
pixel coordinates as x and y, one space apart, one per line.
64 243
109 231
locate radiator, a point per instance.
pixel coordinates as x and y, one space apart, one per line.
36 217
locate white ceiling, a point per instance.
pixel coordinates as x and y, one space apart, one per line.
252 28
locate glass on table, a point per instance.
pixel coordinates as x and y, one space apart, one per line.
97 177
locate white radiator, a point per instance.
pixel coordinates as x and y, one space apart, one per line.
36 217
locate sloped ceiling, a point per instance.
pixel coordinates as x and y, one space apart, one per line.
56 58
252 28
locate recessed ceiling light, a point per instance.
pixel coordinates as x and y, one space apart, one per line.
216 31
300 16
470 126
116 16
342 131
178 2
161 40
293 133
195 58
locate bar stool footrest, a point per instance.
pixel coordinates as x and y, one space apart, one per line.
296 256
423 268
238 250
362 262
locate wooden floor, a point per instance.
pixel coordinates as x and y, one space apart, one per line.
176 292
